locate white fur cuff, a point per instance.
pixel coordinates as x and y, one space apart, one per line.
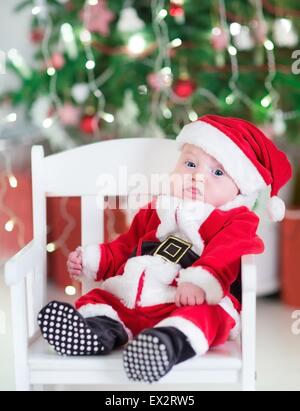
90 261
204 279
193 333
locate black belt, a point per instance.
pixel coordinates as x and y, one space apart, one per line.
179 251
173 249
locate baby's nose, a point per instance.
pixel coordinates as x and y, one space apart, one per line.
198 177
199 181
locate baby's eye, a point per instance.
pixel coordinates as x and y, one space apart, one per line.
218 172
190 164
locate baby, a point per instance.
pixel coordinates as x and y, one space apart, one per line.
170 285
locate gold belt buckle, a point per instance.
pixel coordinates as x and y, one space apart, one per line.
172 249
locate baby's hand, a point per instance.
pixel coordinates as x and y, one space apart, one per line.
189 294
74 263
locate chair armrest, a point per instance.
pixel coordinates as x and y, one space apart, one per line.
248 274
18 266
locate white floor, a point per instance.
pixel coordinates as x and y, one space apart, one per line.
278 353
278 349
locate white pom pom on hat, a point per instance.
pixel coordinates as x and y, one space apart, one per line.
250 158
276 208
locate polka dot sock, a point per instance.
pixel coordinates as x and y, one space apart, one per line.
152 353
70 334
149 356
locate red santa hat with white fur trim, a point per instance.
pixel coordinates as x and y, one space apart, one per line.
250 158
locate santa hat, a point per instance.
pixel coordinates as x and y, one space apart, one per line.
250 158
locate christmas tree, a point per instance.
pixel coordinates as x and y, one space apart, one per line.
112 68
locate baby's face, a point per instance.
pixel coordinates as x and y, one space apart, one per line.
199 176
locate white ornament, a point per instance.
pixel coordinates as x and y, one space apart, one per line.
284 33
153 130
80 92
57 136
40 111
129 21
243 40
127 117
42 7
279 125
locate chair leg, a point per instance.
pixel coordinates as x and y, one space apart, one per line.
249 341
22 383
248 380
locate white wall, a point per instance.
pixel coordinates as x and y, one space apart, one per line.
14 33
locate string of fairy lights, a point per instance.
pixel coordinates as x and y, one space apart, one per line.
9 180
137 45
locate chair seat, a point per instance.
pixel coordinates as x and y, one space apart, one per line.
47 367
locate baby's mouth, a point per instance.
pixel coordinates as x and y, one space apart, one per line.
193 191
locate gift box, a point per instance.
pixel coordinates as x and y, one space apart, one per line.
15 205
290 257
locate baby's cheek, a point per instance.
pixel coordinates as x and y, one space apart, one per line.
221 192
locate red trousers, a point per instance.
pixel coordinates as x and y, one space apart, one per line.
204 325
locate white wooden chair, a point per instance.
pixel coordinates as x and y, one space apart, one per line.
74 173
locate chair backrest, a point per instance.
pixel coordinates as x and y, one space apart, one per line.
80 172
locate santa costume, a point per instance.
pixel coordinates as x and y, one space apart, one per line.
170 241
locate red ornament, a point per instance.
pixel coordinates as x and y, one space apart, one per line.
36 35
57 60
176 10
184 88
89 124
69 6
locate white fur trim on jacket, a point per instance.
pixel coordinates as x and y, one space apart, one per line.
241 200
222 148
159 273
182 217
91 255
228 306
193 333
156 286
95 310
204 279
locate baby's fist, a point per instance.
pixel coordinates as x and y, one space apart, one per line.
189 294
74 263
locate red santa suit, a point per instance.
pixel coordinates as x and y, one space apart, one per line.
138 289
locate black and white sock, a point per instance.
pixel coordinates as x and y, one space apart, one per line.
152 353
71 334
